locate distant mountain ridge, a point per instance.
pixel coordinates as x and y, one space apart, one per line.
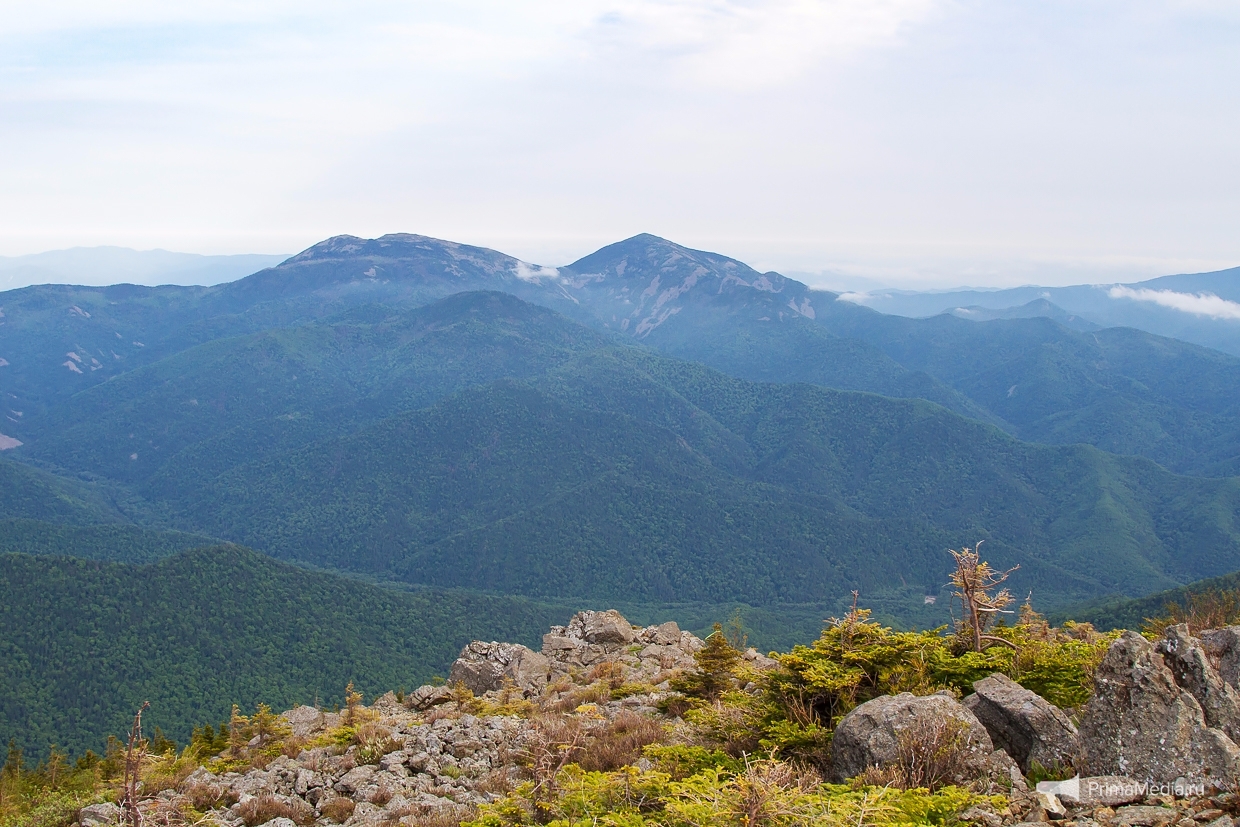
121 265
1201 308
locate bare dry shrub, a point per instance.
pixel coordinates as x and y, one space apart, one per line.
338 810
619 742
498 781
203 795
292 746
931 752
438 713
265 807
382 796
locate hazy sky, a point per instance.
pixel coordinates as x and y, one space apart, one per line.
912 141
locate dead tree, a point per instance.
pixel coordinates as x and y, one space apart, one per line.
134 754
974 579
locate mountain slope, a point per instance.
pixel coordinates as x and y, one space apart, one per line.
629 476
233 400
83 643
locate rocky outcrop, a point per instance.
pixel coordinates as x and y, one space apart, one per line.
591 638
486 667
1142 723
1192 671
872 735
1023 724
1223 647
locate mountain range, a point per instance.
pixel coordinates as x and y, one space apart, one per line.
648 426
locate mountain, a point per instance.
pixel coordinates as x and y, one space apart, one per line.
1119 389
84 643
121 265
232 400
1036 309
627 476
1201 308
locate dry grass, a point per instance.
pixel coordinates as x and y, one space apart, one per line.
203 795
265 807
339 810
442 817
930 754
618 742
609 672
595 693
1210 609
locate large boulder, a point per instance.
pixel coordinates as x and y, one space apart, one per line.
1192 670
602 628
484 667
1023 724
871 735
1142 724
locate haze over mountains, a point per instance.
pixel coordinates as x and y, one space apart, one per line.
1202 308
649 425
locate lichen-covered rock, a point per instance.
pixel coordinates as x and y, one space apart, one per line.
1141 724
97 815
1191 668
870 735
485 667
1023 724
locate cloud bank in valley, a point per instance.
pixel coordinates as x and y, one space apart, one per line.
1199 304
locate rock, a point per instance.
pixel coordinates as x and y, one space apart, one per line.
1051 805
986 818
280 822
870 735
665 634
602 628
1023 724
355 779
1222 821
1140 723
483 667
97 815
758 660
1191 668
304 720
1105 791
424 697
1223 647
1141 816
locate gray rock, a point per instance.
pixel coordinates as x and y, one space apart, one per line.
758 660
1191 668
607 627
1222 821
424 697
280 822
1023 724
355 779
1223 647
870 735
1141 816
1141 724
1106 791
484 667
97 815
304 720
665 634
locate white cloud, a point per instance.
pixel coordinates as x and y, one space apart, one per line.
529 272
1199 304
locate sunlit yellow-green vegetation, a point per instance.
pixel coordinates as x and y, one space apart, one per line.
753 791
856 660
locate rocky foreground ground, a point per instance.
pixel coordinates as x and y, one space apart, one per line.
1156 746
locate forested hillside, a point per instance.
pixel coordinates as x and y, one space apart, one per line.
628 475
84 643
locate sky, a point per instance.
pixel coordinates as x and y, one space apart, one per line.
854 143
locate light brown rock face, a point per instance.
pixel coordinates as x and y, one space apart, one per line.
1142 724
869 736
1223 647
1022 723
